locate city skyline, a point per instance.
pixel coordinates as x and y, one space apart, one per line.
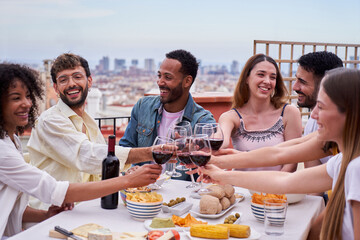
215 32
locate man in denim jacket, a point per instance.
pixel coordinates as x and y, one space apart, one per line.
153 115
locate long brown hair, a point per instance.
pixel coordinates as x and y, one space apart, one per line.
242 91
343 88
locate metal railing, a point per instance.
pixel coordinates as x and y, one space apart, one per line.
114 121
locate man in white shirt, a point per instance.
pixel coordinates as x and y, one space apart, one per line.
66 142
311 70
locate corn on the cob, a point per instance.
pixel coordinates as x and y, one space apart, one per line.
209 231
237 231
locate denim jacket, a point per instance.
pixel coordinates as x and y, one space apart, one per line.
146 117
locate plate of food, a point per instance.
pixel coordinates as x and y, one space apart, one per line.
162 224
233 218
177 209
242 231
196 210
175 222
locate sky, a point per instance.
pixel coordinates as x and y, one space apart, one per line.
214 31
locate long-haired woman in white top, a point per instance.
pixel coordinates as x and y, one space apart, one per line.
338 115
20 90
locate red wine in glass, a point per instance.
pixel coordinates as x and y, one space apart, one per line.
215 143
200 159
184 158
161 157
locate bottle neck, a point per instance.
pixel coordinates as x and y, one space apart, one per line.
111 146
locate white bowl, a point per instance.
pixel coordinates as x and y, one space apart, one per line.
258 211
123 193
142 211
295 197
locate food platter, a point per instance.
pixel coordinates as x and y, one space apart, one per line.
178 209
148 222
239 219
196 211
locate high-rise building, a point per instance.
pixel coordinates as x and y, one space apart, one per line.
119 65
104 64
149 65
235 68
134 62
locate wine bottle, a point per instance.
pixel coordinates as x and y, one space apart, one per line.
110 169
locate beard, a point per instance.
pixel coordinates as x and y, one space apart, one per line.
174 94
310 100
78 103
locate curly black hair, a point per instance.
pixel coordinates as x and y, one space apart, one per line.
319 62
189 65
8 74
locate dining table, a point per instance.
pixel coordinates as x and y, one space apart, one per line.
299 217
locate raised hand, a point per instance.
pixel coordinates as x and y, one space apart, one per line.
212 174
131 170
144 175
225 151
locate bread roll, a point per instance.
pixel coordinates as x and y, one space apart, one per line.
219 208
209 204
225 203
232 199
229 190
216 191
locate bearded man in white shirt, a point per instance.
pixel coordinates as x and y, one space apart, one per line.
66 142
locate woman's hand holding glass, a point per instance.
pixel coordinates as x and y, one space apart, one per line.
213 174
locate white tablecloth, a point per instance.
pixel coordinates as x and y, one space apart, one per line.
298 220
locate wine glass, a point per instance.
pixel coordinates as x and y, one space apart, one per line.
183 155
199 128
162 150
187 126
200 154
175 132
214 133
182 150
216 139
